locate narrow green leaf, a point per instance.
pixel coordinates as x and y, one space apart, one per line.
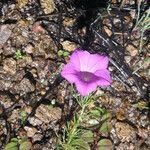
96 113
81 144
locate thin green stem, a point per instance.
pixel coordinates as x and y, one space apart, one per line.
83 102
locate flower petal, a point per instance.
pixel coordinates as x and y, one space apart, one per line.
98 62
88 62
69 73
104 77
84 57
80 59
85 88
74 59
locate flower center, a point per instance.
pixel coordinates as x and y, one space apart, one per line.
86 76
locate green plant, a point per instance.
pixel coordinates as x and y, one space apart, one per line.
17 143
141 105
142 24
63 53
23 115
18 54
72 130
76 134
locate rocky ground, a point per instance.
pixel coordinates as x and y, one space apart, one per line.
34 99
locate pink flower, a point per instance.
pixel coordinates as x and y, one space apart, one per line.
87 71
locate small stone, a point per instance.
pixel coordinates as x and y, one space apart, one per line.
126 146
34 121
8 49
30 131
23 87
22 3
48 6
4 85
37 137
127 19
14 116
107 22
144 133
108 31
125 132
132 13
127 59
120 114
116 21
26 60
28 109
19 75
10 65
20 40
69 46
5 33
47 114
37 28
21 23
68 22
132 50
5 102
43 92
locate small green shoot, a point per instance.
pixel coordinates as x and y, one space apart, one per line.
23 115
141 105
143 24
18 54
63 53
17 143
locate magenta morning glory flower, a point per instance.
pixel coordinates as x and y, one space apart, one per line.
87 71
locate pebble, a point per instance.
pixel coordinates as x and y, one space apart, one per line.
34 121
108 31
47 114
4 85
15 115
8 49
23 87
5 101
26 60
125 132
30 131
37 137
5 33
68 21
22 3
9 65
132 50
43 92
48 6
37 28
69 46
